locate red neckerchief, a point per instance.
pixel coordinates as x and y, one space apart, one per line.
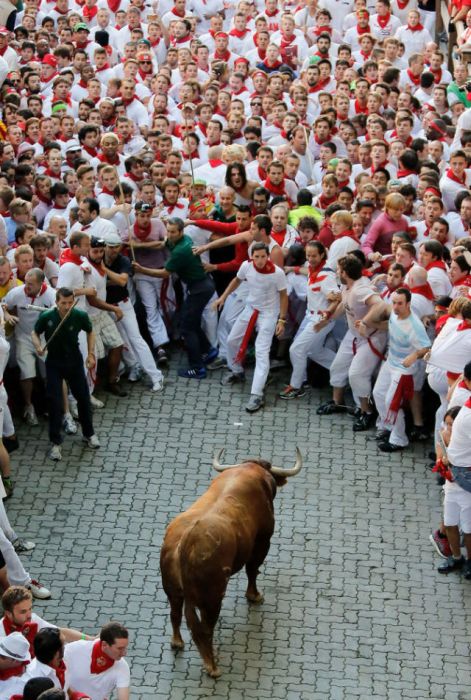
181 40
271 14
60 672
7 673
82 44
29 630
144 75
366 54
100 661
105 159
239 33
82 83
451 176
48 80
239 92
381 165
262 174
314 272
114 5
402 4
202 127
465 281
464 326
275 189
437 75
325 201
347 234
468 403
90 150
418 27
97 267
132 177
68 257
439 264
105 66
343 183
222 56
105 190
141 233
363 30
267 269
175 12
413 78
44 199
405 173
193 154
170 206
318 141
262 53
2 51
321 30
215 162
279 237
89 12
424 290
126 102
51 173
383 21
286 41
60 12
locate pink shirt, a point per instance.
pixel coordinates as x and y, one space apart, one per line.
379 237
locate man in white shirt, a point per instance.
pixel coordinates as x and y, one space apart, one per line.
265 311
98 667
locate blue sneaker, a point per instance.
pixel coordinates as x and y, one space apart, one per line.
199 373
210 356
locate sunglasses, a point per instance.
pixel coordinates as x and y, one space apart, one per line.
146 62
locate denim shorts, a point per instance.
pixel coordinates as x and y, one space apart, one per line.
462 476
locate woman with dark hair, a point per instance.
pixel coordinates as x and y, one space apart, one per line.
236 177
460 275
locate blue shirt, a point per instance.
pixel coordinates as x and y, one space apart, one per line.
405 336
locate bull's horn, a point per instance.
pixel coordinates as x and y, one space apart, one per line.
221 467
278 471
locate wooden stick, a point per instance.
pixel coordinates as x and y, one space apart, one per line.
59 326
128 221
191 159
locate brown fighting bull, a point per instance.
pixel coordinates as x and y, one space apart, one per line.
228 527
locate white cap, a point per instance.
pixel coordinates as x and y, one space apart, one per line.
112 239
15 646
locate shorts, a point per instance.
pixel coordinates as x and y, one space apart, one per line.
26 359
107 335
457 507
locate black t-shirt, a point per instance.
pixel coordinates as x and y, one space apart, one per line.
115 293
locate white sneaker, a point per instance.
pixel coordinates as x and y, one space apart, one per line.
158 385
38 590
70 426
135 374
92 441
23 546
73 408
55 453
30 416
96 403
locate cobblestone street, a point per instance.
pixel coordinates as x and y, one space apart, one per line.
353 605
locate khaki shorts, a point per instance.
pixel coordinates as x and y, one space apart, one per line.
27 359
107 335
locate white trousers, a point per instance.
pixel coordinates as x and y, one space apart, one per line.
355 363
438 382
309 343
231 311
265 327
383 392
209 322
129 329
149 291
428 19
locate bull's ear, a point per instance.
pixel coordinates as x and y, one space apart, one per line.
280 480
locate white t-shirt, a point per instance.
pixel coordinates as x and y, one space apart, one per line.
75 277
17 298
99 686
263 288
459 453
318 289
451 349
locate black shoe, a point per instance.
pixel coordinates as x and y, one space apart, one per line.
354 411
467 570
115 389
432 456
382 435
419 434
364 422
11 444
450 565
329 407
440 480
161 358
389 447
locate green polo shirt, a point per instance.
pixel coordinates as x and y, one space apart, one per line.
183 262
64 348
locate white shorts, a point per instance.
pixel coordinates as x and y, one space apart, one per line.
107 335
26 359
457 507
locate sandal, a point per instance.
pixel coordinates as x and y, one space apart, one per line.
329 407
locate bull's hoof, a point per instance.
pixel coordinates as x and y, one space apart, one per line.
255 598
212 671
177 644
